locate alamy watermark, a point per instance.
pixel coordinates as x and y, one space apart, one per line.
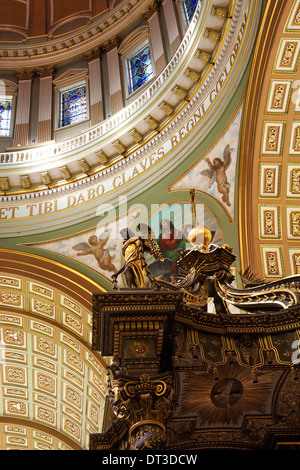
175 220
296 353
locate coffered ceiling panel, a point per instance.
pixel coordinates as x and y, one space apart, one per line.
273 197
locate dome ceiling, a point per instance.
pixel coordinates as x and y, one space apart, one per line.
21 19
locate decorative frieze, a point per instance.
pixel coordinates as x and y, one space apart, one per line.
279 95
269 222
269 180
295 139
25 181
287 56
4 183
295 260
11 299
212 34
293 222
42 308
220 12
293 22
272 138
272 261
6 281
293 180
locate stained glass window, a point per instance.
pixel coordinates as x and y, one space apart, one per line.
140 68
5 115
190 7
73 105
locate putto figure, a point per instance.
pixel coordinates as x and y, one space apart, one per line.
97 248
217 173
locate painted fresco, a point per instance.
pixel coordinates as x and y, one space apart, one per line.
215 172
100 248
173 224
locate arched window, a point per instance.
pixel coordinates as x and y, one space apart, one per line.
136 56
140 68
71 98
8 92
186 10
5 115
189 8
73 106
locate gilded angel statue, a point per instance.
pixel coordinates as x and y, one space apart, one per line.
133 249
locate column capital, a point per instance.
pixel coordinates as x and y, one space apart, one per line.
43 72
111 44
154 7
24 74
92 55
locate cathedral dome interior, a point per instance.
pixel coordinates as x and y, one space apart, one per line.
182 116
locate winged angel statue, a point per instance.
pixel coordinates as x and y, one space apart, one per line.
134 246
217 173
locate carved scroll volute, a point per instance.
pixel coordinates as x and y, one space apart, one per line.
144 404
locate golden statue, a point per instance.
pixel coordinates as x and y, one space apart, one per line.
133 249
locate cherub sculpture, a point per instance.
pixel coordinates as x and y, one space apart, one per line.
217 173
